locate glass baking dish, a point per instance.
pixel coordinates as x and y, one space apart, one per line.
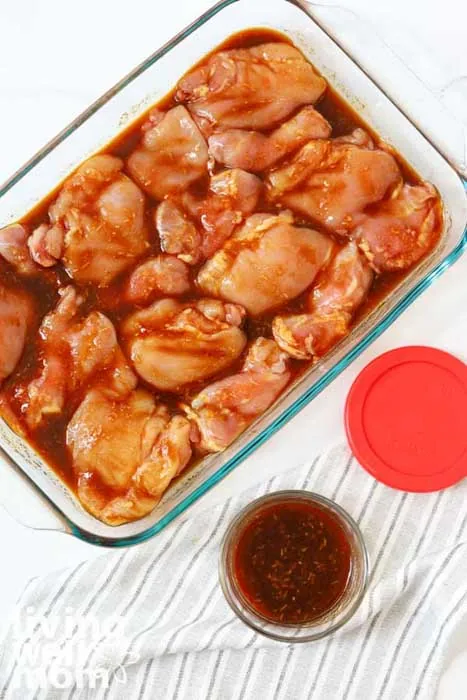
149 82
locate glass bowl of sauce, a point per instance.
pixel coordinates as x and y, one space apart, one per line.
293 566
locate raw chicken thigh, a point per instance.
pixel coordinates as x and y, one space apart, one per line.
170 454
133 447
172 343
96 223
254 151
233 194
164 275
177 232
14 249
252 88
95 353
45 395
46 245
230 189
333 180
266 263
172 154
224 409
16 312
112 437
401 230
340 290
71 352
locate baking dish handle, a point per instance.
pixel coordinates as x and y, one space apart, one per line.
24 502
440 112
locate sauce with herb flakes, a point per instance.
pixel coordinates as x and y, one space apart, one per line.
292 562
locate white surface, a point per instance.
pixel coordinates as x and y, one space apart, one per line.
55 60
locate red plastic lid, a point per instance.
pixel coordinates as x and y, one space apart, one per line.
406 419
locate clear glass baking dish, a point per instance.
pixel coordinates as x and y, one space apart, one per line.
315 30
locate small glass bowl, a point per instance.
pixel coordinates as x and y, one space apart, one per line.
329 621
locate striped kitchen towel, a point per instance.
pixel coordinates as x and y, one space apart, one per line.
150 622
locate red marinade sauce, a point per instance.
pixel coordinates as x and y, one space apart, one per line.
292 562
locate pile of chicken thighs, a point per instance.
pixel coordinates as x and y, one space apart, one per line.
235 201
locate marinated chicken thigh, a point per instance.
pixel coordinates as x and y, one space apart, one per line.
178 234
71 352
170 454
233 194
224 409
16 313
133 447
252 88
95 354
266 263
332 181
357 137
168 458
14 249
172 154
343 284
164 275
235 189
401 230
340 290
45 395
172 343
113 437
96 223
255 152
46 244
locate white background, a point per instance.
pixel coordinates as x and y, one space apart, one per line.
57 57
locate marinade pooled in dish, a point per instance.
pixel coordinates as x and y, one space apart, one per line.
165 295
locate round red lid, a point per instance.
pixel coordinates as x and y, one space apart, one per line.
406 419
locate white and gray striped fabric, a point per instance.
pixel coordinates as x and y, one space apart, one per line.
179 640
